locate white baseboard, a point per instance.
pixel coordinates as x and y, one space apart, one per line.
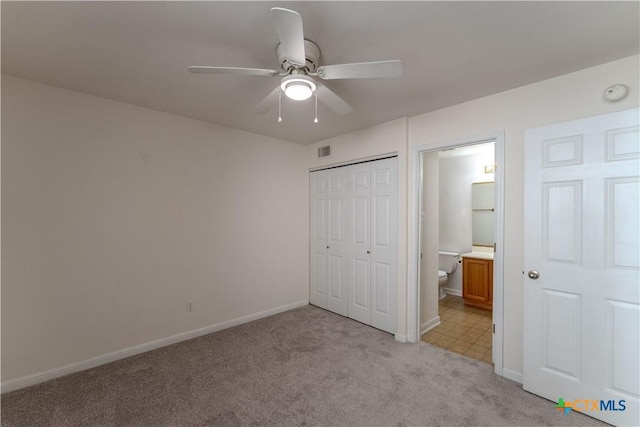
429 325
401 338
50 374
451 291
512 375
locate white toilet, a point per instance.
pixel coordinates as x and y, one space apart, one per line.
447 264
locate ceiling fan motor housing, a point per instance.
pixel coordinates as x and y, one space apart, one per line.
312 55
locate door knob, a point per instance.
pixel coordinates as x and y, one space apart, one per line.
368 252
533 274
327 247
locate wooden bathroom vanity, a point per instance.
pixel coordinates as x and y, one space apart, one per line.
477 279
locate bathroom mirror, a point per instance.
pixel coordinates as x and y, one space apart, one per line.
482 215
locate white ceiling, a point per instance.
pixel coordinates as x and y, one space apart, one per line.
138 52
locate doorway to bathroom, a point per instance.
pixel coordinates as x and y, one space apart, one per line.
459 232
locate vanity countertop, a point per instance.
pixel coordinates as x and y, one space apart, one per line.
478 255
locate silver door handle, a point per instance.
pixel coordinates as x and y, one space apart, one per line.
533 274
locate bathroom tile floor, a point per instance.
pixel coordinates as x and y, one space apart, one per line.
463 330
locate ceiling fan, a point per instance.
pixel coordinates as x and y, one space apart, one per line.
298 65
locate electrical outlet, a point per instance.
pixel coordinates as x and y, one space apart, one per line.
189 306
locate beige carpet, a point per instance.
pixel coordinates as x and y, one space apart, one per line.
304 367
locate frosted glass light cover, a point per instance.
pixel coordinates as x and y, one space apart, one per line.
298 91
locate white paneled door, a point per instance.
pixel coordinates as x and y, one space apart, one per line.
328 284
359 268
582 266
337 239
354 241
319 239
384 243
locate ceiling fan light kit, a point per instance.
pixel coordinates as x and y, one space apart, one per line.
298 87
299 64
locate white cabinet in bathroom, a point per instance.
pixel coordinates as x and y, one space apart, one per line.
482 217
353 249
482 195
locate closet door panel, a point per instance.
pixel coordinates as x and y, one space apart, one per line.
384 244
361 284
381 289
319 263
337 240
359 235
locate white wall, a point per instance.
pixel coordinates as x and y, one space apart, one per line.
387 138
560 99
115 215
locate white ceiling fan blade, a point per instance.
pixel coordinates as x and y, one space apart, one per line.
361 70
197 69
267 102
291 35
333 101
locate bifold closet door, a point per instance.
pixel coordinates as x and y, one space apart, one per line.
359 243
318 234
372 245
384 244
328 191
354 241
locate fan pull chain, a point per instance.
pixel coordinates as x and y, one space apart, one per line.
279 106
315 120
